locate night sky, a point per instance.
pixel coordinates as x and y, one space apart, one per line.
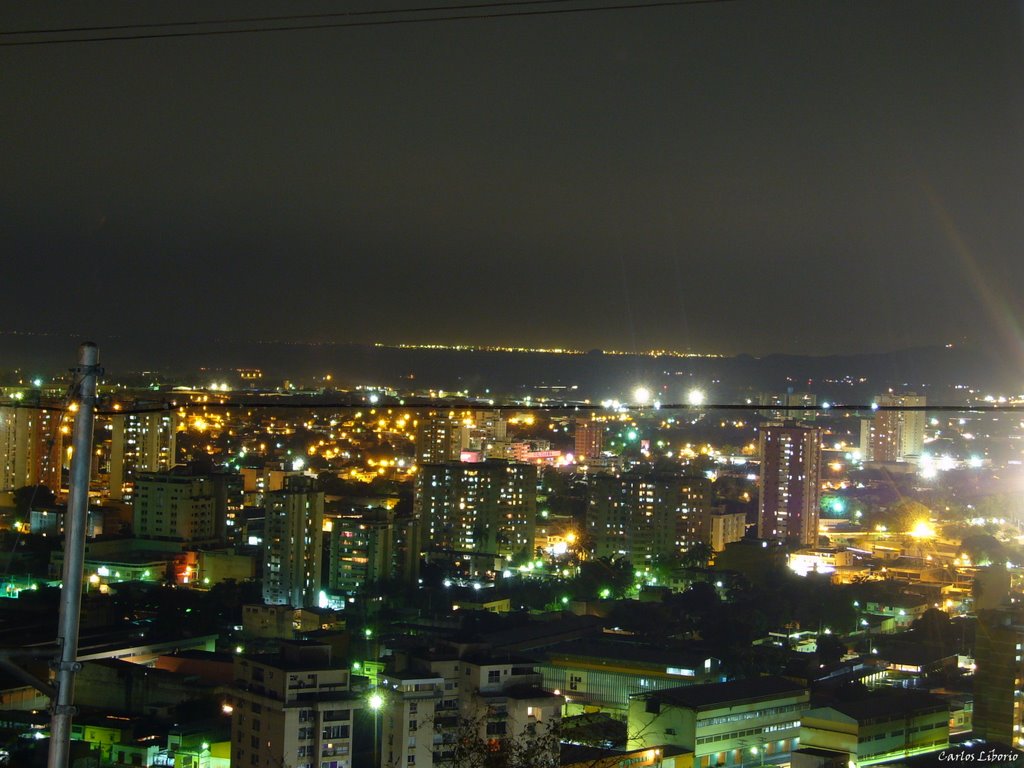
823 177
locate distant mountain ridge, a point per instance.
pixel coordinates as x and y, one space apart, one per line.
846 378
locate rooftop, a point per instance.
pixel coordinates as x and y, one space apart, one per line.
890 704
617 651
715 695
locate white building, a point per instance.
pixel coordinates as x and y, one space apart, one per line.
140 442
439 695
292 709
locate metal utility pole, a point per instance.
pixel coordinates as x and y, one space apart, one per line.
67 664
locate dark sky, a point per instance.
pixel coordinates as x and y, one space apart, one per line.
751 176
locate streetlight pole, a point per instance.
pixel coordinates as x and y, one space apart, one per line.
67 664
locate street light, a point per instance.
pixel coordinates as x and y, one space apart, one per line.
376 702
755 751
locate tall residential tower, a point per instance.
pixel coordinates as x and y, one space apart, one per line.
790 482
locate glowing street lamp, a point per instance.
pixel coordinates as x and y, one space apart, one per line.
695 397
376 702
642 395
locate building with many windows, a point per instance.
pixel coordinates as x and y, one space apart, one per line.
292 543
588 439
438 437
188 503
718 527
31 447
895 435
643 516
140 442
739 723
790 483
875 730
292 709
488 507
361 546
434 697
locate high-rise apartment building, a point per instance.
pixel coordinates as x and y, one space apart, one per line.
292 544
438 437
140 442
31 447
894 435
999 677
589 439
488 507
643 516
790 405
295 709
188 503
790 482
360 548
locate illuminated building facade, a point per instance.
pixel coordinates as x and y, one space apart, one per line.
588 439
876 730
717 527
292 544
360 548
140 442
790 483
484 431
429 701
185 504
31 447
438 437
894 436
645 515
295 708
488 507
739 723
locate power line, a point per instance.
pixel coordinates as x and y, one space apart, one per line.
168 405
288 17
336 25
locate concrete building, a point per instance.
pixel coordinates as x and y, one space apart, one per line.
645 515
438 437
716 527
788 405
485 432
486 507
878 729
744 722
140 442
292 544
179 504
284 622
999 677
31 447
294 708
588 440
601 674
361 546
433 698
790 483
894 436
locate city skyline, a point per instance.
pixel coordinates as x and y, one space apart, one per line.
712 178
